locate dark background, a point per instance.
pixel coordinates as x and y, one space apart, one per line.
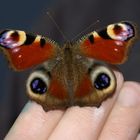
72 16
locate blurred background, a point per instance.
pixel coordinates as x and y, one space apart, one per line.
72 16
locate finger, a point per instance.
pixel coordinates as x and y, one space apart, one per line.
124 121
138 137
33 123
84 123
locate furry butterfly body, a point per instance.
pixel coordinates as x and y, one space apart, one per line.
74 74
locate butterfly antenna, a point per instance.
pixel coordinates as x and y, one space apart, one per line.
93 24
58 28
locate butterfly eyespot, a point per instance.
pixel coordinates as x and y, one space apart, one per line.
11 38
38 84
122 31
103 79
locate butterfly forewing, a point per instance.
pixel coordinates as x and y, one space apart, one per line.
110 44
25 50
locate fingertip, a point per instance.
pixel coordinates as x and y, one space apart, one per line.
125 114
130 94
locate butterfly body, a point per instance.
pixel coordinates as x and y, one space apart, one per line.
73 74
70 82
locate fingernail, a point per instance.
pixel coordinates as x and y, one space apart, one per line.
129 95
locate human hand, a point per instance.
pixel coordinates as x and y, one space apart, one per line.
118 118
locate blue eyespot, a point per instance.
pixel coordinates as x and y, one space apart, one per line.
38 86
102 81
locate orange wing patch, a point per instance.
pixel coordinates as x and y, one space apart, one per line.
25 50
110 44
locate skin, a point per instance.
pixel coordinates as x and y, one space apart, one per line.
118 118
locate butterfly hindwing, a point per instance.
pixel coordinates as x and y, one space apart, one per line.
25 50
98 83
47 89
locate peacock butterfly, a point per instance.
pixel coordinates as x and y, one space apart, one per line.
74 74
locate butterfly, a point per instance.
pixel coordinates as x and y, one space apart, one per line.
76 73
